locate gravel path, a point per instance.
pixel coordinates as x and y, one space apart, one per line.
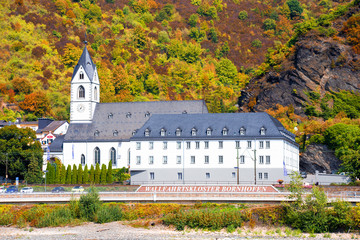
117 230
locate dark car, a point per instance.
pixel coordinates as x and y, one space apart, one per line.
58 189
12 189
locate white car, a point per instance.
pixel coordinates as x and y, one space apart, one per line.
27 190
2 189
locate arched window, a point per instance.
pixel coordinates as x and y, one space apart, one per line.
242 131
163 132
81 92
262 131
208 131
178 132
113 156
193 131
82 159
225 131
95 94
81 75
97 155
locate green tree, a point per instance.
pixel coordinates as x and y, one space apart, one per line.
86 175
68 174
193 20
57 173
97 174
17 148
63 174
80 175
51 174
89 204
226 71
92 175
74 174
295 8
269 24
243 15
109 177
103 174
34 173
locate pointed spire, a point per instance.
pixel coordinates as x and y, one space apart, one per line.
85 42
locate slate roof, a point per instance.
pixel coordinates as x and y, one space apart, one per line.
251 122
87 63
57 144
53 126
125 117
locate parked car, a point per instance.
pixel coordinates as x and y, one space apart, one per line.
12 189
2 189
303 174
27 190
77 189
58 189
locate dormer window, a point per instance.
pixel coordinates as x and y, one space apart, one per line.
208 131
242 131
163 132
178 132
81 92
97 133
147 132
262 131
134 132
110 116
147 114
88 63
184 112
128 115
225 131
115 133
193 131
81 75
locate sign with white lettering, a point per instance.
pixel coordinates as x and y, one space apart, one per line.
210 189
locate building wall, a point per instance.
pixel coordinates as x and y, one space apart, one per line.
62 129
214 171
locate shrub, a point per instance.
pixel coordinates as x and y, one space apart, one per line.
6 218
256 43
60 216
89 204
109 214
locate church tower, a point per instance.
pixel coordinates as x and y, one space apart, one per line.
85 89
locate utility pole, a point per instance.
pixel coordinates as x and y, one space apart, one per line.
255 165
238 171
6 168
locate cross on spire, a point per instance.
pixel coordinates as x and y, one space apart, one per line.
85 39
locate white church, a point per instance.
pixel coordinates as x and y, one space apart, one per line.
171 142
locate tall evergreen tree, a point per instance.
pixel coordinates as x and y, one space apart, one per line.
92 175
51 174
97 174
109 177
80 175
63 174
57 173
34 174
74 175
68 175
86 175
103 174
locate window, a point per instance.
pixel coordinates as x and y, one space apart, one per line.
115 133
267 159
261 144
262 131
151 160
178 145
113 156
81 75
208 132
138 160
197 145
147 114
221 159
110 116
95 93
151 145
207 175
220 144
242 131
260 175
147 132
178 159
179 176
128 115
233 175
164 145
138 145
82 159
266 175
261 160
152 175
96 133
242 159
206 160
206 144
134 132
188 145
97 155
165 160
178 132
267 144
163 132
225 131
237 144
248 144
192 160
193 132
